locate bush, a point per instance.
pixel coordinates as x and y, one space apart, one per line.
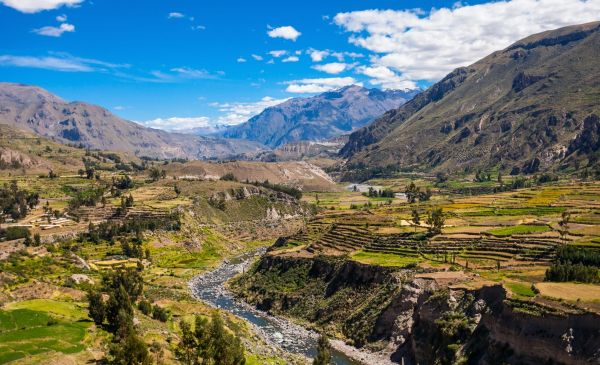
289 190
572 272
229 177
160 314
15 233
145 307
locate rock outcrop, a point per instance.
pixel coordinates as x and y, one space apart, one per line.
417 320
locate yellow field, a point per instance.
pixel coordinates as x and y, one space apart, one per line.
570 291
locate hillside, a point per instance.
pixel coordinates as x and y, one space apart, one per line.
299 174
36 110
533 106
320 117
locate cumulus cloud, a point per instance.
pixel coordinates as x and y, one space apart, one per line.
177 123
278 53
240 112
286 32
333 68
291 59
50 31
386 79
257 57
241 60
175 15
61 18
316 55
319 55
428 45
319 85
34 6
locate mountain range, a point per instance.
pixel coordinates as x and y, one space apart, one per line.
35 110
321 117
530 107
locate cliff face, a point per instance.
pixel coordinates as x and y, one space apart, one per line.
417 320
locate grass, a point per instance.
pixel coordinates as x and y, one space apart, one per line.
70 310
25 332
520 289
519 229
384 259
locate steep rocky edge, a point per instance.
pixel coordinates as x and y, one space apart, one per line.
417 320
523 109
37 111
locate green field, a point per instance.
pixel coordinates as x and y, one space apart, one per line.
384 259
25 332
520 229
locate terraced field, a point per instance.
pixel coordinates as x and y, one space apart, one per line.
512 230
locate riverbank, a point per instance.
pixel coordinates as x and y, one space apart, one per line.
277 332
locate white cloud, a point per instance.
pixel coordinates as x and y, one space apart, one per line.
193 73
177 123
50 31
61 18
286 32
386 78
426 46
278 53
47 63
319 55
240 112
319 85
34 6
175 15
257 57
316 55
198 27
333 68
291 59
241 59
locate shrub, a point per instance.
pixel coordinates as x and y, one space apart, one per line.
15 233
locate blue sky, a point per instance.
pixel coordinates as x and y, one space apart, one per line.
181 63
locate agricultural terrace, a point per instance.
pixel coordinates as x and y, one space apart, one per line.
509 236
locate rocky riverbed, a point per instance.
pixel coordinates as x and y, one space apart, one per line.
210 288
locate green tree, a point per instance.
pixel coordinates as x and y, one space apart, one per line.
186 348
435 220
563 224
412 192
415 218
323 352
129 350
155 174
96 308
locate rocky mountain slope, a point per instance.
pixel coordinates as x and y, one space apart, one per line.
413 319
320 117
36 110
532 106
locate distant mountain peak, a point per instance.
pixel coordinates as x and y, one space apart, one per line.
320 117
37 111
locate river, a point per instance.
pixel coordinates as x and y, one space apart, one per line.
210 288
